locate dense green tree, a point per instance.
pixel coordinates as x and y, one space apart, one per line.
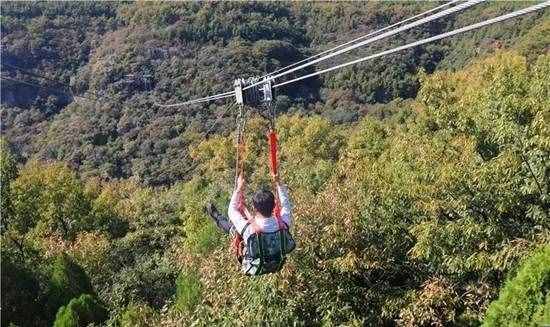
67 281
8 172
20 293
50 198
80 312
524 299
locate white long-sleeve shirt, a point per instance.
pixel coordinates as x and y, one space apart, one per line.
268 225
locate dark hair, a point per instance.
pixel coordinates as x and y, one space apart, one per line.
264 202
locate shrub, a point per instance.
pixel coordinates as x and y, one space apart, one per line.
8 172
149 280
49 198
188 292
81 311
68 280
525 299
20 291
137 315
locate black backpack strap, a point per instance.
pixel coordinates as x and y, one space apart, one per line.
282 248
244 228
261 250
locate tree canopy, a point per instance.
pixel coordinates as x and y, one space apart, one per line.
420 182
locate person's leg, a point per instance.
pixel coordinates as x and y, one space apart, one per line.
221 221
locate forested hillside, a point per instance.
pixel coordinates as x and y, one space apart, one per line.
420 180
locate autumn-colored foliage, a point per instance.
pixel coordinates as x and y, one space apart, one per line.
420 182
414 219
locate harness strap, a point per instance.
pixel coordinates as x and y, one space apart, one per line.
282 240
237 243
255 227
273 164
240 149
236 246
273 167
244 228
261 250
240 144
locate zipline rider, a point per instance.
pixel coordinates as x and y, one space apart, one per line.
261 239
264 239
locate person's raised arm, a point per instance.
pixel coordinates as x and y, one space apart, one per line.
235 205
284 199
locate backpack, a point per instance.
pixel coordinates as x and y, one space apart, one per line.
264 252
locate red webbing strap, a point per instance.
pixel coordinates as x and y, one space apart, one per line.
273 167
237 246
272 139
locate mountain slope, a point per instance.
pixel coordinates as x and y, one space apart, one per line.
191 50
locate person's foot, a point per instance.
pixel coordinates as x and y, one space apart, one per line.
218 219
212 211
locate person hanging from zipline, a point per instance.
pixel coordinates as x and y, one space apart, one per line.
261 239
263 203
265 239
